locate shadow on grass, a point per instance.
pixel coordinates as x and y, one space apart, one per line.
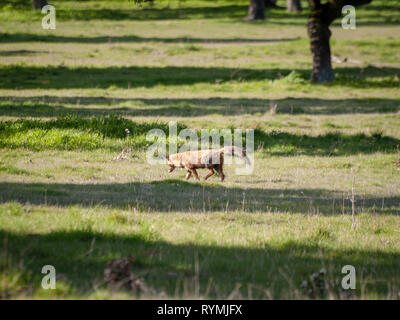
58 77
274 142
235 12
80 257
280 143
154 13
367 16
181 196
111 126
18 53
29 37
52 106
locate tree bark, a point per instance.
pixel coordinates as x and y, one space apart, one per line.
270 3
321 17
293 6
256 10
320 34
39 4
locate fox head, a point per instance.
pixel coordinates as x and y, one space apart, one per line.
171 166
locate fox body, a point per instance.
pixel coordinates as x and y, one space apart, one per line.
212 159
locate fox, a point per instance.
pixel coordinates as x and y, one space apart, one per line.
212 159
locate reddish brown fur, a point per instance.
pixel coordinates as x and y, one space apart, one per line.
192 160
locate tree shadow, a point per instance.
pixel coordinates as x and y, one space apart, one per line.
155 13
53 106
273 142
81 255
235 12
277 16
280 143
19 53
383 16
58 77
181 196
29 37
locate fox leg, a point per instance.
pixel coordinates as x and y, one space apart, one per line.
195 174
188 175
210 174
220 172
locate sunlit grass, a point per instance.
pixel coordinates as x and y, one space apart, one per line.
68 198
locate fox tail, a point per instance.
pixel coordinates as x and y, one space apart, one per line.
237 152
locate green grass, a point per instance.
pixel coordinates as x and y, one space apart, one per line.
73 133
66 199
166 257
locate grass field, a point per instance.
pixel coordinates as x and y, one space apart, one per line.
67 96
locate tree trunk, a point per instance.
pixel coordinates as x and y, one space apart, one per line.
321 17
293 6
320 34
270 3
39 4
256 10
